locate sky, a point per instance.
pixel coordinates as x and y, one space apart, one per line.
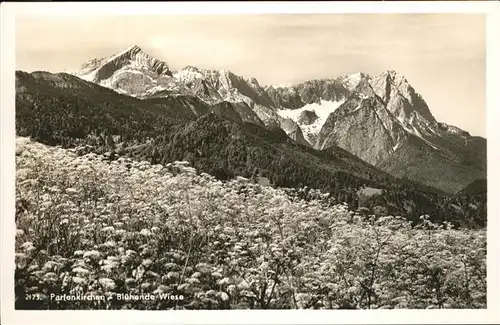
443 56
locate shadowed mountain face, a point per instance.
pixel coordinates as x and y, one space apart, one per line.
364 127
381 119
395 131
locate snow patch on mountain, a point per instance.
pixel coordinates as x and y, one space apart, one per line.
155 89
322 110
121 91
285 85
129 69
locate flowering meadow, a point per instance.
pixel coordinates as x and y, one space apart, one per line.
91 227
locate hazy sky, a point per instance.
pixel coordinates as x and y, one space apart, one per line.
442 55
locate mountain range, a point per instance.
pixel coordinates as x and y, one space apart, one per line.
380 119
339 135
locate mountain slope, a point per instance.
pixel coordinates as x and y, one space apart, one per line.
52 107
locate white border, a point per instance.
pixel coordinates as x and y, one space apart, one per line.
9 316
253 7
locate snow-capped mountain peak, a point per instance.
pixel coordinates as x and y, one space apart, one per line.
284 85
404 102
132 59
351 81
188 74
134 48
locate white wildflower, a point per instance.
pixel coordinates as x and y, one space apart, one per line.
51 266
171 266
243 285
50 277
109 244
223 281
108 229
161 289
107 283
193 281
80 270
130 252
231 288
217 275
196 275
109 265
27 245
146 286
113 259
224 296
172 275
79 281
203 267
92 255
147 262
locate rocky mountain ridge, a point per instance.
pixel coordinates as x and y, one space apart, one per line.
372 117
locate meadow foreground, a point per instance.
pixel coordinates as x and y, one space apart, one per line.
126 230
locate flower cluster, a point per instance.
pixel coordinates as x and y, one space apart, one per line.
86 225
